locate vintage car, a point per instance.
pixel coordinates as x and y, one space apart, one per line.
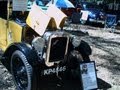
40 56
95 12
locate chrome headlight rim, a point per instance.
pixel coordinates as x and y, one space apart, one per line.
76 40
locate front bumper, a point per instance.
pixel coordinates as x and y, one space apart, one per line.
69 79
97 21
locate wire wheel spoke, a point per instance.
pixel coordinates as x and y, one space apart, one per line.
20 73
21 70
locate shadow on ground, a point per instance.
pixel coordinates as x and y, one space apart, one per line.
103 85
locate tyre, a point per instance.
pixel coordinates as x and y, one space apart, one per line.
74 59
21 71
85 51
73 65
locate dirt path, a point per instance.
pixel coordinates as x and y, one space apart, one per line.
106 49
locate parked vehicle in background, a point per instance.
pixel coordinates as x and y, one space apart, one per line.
68 10
66 6
95 12
114 9
40 3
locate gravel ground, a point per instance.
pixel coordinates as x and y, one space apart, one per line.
106 54
106 49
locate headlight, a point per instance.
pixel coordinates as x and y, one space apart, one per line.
92 14
76 41
102 14
38 43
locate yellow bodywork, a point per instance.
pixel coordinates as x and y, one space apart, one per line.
9 34
37 19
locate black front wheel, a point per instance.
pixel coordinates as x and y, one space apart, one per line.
21 71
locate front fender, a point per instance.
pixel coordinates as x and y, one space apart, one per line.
23 47
85 50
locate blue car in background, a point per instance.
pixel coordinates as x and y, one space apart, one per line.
95 12
40 3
